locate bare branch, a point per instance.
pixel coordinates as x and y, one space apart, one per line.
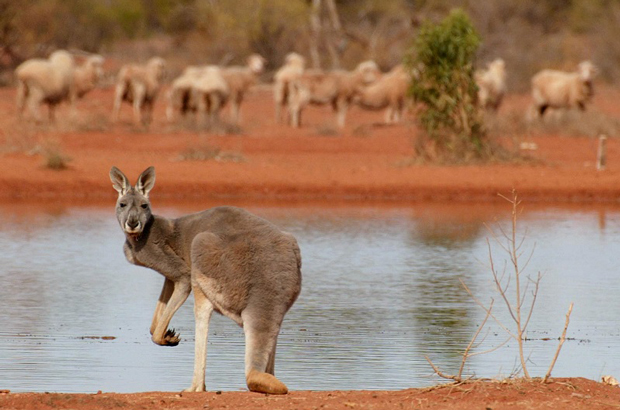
479 303
466 354
534 296
562 339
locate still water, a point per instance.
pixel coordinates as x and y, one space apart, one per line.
381 290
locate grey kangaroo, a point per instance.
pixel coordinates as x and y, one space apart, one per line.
236 263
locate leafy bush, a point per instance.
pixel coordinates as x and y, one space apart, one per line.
443 64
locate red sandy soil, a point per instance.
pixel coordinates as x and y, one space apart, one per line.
270 162
560 394
364 162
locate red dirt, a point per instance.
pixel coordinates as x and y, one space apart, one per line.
364 163
560 394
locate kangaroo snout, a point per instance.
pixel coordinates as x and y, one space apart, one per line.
132 226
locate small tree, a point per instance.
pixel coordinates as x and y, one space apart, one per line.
443 83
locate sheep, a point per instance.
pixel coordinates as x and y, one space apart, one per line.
335 87
139 85
491 85
179 96
294 65
389 91
210 93
87 76
240 78
48 81
560 89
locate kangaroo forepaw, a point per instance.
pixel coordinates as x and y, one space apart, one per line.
265 383
171 338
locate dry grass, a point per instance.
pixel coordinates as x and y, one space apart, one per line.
53 155
570 123
208 152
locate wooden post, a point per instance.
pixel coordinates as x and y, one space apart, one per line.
601 155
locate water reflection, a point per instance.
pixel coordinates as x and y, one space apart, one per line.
381 290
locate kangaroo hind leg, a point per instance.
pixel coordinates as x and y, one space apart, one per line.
260 345
203 309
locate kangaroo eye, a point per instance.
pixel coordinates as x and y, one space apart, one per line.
144 206
122 204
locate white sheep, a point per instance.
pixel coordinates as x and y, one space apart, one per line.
560 89
491 84
179 95
87 76
294 65
139 85
389 91
240 79
335 87
45 81
210 93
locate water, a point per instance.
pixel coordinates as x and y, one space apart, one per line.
381 290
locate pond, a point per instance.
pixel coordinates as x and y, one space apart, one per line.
381 291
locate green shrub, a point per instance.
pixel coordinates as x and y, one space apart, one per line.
443 64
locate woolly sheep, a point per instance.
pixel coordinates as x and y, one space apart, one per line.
294 65
336 87
48 81
240 78
491 85
179 96
210 93
560 89
139 85
389 91
87 76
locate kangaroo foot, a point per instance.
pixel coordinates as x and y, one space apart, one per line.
265 383
171 338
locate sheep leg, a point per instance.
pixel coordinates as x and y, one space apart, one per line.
21 98
72 104
147 109
34 99
170 108
201 110
215 105
138 102
236 109
389 112
119 91
341 112
279 97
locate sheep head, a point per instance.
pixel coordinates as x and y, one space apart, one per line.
157 66
256 62
587 71
369 71
295 59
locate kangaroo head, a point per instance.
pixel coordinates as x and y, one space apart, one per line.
133 208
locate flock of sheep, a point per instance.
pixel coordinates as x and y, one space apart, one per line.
204 90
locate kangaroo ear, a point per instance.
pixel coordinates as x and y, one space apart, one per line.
146 181
119 181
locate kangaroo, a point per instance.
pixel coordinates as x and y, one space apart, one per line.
236 263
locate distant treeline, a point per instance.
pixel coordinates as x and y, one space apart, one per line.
527 34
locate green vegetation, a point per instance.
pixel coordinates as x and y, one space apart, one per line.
443 64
